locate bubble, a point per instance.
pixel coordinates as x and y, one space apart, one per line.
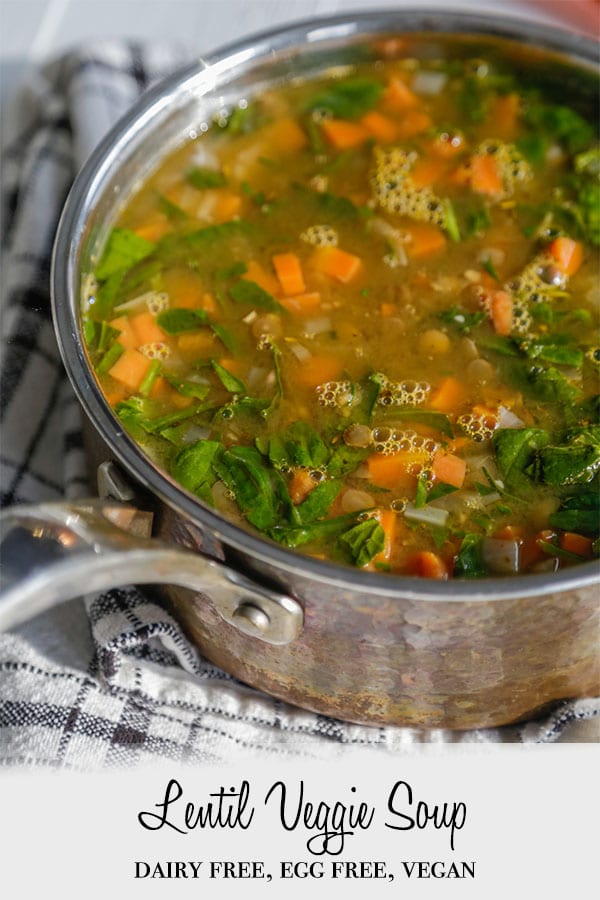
157 301
401 393
336 394
478 426
514 170
320 236
393 189
156 350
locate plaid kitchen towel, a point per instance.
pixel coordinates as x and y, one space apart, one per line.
115 681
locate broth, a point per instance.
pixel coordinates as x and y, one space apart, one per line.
360 316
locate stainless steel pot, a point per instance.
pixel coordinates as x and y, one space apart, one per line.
361 646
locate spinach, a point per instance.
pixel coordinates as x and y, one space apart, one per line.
202 178
296 535
576 461
178 320
332 207
187 388
249 292
560 123
553 349
459 318
248 405
421 494
171 210
469 560
347 99
490 268
533 147
123 250
345 459
588 200
241 119
224 336
363 541
550 386
299 445
450 222
432 419
192 467
110 358
515 450
318 502
229 381
554 550
244 473
579 512
478 221
439 490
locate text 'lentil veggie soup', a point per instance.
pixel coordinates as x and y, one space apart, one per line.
359 315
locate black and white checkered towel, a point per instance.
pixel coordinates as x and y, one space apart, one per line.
112 680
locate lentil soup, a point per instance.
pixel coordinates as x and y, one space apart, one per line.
359 315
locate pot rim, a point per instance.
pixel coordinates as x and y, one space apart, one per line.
65 284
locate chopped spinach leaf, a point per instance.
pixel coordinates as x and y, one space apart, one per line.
123 250
579 512
469 559
187 388
363 541
245 291
229 381
202 178
318 502
515 450
178 320
192 466
460 319
347 99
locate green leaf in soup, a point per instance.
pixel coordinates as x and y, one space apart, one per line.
346 459
533 147
123 250
349 98
245 474
560 123
178 320
450 222
515 450
461 319
440 490
364 541
229 381
187 388
319 501
550 386
192 466
469 560
579 513
250 293
296 535
305 446
554 350
171 210
202 178
575 461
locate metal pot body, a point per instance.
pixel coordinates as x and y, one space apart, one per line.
373 648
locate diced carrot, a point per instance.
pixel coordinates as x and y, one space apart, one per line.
501 311
319 369
130 369
380 127
116 394
567 254
146 330
289 272
446 145
398 97
302 304
259 275
413 123
396 470
226 206
209 304
505 115
198 343
485 175
161 389
388 520
461 176
576 543
336 263
127 337
425 240
184 288
285 134
427 171
235 366
449 395
154 227
449 468
300 486
342 134
386 310
427 564
510 533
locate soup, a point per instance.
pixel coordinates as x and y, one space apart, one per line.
359 315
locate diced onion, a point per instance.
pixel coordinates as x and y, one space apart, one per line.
354 500
494 254
507 419
395 238
500 556
430 83
317 326
300 352
429 515
196 433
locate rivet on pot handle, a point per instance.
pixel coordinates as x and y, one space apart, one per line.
54 552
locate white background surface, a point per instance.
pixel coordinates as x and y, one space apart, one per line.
32 31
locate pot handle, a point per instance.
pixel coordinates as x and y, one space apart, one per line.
53 552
